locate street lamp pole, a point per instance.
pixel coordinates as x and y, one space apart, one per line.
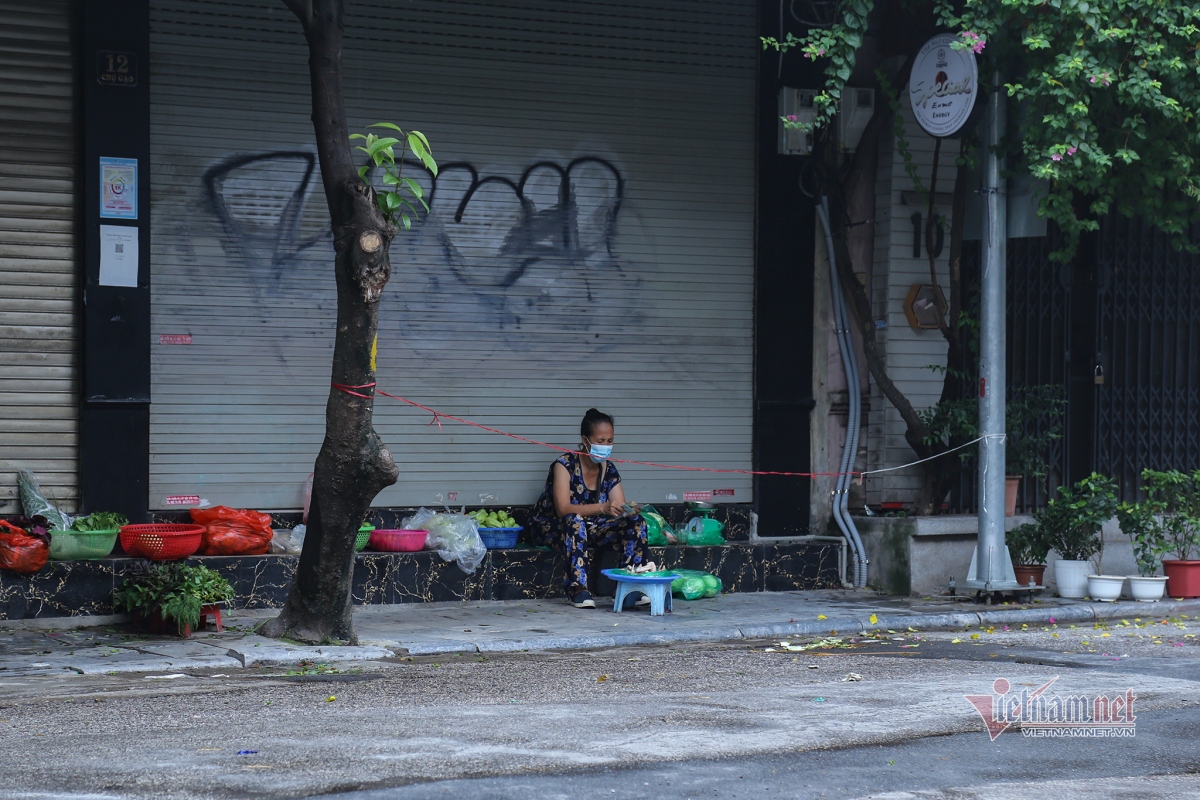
992 568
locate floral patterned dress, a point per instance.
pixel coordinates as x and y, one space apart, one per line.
573 535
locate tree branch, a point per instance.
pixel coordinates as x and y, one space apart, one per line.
302 9
930 223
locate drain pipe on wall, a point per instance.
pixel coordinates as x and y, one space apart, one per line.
841 494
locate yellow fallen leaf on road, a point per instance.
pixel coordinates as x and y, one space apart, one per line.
873 619
1105 634
974 635
330 699
956 641
822 616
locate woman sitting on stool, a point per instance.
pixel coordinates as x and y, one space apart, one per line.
583 506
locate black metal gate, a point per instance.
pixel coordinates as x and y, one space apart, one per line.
1121 328
1147 410
1038 349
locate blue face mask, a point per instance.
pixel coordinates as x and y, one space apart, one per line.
599 452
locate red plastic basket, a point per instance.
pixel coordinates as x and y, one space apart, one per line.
398 541
161 542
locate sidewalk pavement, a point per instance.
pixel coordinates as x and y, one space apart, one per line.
64 645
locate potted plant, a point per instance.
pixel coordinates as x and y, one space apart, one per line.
159 593
1142 523
1169 523
1074 519
1033 420
1028 545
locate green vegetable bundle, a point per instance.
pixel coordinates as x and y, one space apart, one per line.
493 519
174 590
99 521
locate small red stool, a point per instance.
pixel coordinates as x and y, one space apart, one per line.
213 611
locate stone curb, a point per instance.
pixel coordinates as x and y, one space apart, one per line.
272 653
1082 612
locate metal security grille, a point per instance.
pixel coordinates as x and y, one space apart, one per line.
39 283
1148 330
1039 343
591 244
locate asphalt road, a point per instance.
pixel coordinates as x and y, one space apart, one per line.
699 721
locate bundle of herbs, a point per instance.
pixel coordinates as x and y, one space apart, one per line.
173 590
99 521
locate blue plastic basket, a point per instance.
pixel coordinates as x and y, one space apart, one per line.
499 538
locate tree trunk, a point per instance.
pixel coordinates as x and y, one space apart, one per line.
938 474
353 465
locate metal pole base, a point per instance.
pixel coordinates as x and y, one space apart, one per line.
1004 579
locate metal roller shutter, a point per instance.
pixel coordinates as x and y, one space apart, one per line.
602 156
39 283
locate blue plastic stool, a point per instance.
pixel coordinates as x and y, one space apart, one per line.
656 587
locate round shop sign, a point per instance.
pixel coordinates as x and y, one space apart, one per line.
943 86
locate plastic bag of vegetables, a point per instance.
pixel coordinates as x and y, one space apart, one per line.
36 504
659 532
693 584
24 551
455 537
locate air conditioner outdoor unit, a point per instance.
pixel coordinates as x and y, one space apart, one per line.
797 102
854 113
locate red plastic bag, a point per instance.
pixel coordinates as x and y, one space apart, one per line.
21 552
233 531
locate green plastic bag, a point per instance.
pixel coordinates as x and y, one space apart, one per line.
702 533
659 532
693 584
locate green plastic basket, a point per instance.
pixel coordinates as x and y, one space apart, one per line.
81 545
364 536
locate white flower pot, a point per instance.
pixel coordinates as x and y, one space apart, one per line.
1147 590
1071 577
1105 588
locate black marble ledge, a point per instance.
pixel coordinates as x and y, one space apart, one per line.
76 588
735 516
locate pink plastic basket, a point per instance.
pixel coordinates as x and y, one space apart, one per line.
397 541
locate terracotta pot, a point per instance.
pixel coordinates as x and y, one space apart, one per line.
1183 578
1012 485
1029 572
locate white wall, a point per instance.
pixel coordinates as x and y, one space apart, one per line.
908 353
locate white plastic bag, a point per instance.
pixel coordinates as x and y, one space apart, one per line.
418 521
455 537
283 542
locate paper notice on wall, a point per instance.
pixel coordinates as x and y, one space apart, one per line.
118 255
698 497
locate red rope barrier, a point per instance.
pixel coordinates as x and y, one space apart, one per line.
439 416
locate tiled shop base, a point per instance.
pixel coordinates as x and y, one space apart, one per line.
72 588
